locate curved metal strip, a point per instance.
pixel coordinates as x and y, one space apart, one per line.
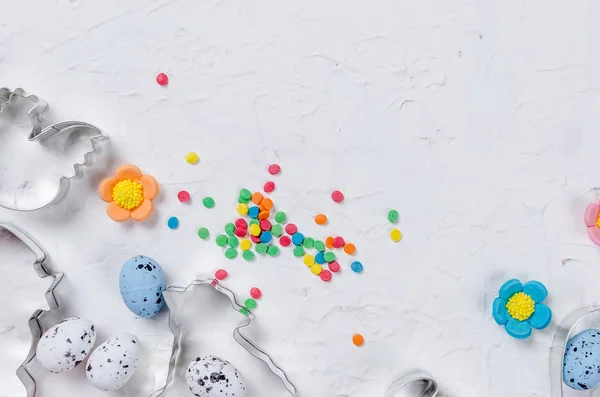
427 386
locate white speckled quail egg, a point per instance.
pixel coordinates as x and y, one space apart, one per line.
114 362
65 345
212 377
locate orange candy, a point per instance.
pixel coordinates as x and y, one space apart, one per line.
321 219
264 215
257 197
349 248
267 203
329 242
358 340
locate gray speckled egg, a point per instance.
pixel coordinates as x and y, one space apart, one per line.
212 377
581 366
114 362
65 345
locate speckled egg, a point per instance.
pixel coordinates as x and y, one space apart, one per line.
114 362
142 282
581 367
65 345
212 377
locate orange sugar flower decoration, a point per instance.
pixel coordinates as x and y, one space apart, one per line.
129 194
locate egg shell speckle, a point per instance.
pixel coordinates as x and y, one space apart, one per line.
142 282
65 345
581 366
114 362
212 377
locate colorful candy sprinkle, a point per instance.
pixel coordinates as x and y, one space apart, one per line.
320 219
261 248
297 238
173 223
248 255
358 340
254 222
250 303
329 257
338 242
273 250
240 231
291 229
329 242
241 222
183 196
256 293
230 229
231 253
253 212
280 217
221 274
325 275
276 230
221 240
257 198
320 258
267 204
242 209
255 239
255 230
203 233
162 79
309 260
396 235
245 194
392 216
334 266
319 245
264 215
308 243
266 237
337 196
298 251
274 169
356 267
208 202
245 244
285 241
233 241
316 269
349 248
244 311
265 225
269 187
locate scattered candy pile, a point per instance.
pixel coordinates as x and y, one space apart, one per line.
255 293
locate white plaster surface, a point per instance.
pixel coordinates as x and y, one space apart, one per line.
477 120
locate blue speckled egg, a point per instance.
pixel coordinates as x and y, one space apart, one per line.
142 282
581 366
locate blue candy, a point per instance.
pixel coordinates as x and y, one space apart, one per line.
320 258
141 283
265 237
253 212
356 267
173 222
297 238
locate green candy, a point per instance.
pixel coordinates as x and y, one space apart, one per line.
273 250
230 229
308 243
248 255
233 241
254 222
243 200
230 253
208 202
245 194
298 251
276 230
261 248
393 216
221 240
329 257
203 233
319 245
280 217
244 311
250 303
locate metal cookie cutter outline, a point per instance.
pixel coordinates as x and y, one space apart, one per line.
35 325
242 340
564 332
40 134
429 387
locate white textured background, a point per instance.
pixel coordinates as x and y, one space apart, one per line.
476 120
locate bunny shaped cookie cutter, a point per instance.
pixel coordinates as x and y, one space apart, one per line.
39 133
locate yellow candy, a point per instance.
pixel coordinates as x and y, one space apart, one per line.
242 209
192 158
245 244
255 230
316 269
396 235
309 260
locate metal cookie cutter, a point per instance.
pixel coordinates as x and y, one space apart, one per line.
40 134
419 383
587 317
238 336
35 324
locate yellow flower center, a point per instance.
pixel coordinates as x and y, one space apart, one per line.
128 194
598 221
520 306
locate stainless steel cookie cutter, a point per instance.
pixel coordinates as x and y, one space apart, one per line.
421 383
566 330
35 324
40 134
238 336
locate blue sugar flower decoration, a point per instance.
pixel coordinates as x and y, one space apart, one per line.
519 308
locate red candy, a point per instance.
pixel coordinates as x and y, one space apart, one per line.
255 293
255 239
338 242
241 223
269 187
285 241
240 232
334 266
325 275
274 169
337 196
265 225
221 274
183 196
290 228
162 79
